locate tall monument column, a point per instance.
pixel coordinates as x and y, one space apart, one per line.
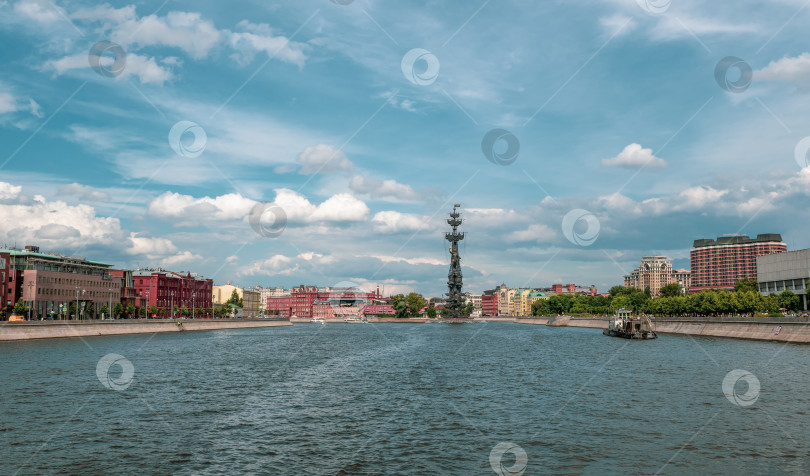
455 299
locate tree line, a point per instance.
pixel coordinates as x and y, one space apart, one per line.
744 299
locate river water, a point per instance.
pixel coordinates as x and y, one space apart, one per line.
403 399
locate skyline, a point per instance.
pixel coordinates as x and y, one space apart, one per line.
615 137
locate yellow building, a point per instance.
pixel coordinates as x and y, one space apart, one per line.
250 299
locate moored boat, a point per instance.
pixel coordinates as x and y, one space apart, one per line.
317 320
624 324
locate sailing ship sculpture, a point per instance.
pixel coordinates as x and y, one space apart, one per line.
455 299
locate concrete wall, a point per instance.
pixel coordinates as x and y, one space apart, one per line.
768 329
54 329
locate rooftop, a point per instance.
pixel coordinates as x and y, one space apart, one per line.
739 240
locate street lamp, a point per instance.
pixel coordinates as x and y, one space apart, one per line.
109 309
147 304
78 316
31 297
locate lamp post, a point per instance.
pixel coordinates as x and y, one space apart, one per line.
31 297
109 309
147 303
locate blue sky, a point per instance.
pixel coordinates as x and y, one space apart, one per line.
621 122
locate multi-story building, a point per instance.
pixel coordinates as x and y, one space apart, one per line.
789 271
250 303
571 289
51 282
169 293
504 298
655 272
6 303
309 301
719 264
489 303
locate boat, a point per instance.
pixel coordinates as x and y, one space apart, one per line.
317 320
623 324
355 319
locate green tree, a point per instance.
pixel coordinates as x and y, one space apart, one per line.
620 291
468 309
90 310
130 310
401 309
153 310
744 285
789 300
105 310
20 308
118 309
431 312
415 303
185 311
670 290
234 299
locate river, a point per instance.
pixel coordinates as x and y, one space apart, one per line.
477 398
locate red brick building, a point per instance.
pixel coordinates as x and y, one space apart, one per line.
719 264
166 290
305 302
6 302
489 303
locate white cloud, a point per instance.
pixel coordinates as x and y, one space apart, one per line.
613 23
260 38
40 11
788 70
84 193
146 69
384 189
186 31
417 260
396 222
9 191
536 232
183 257
152 248
276 265
7 103
691 199
323 159
634 157
186 210
57 224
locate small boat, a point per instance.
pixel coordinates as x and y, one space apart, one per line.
317 320
623 324
355 319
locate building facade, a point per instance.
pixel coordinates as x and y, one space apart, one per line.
167 293
655 272
789 271
489 303
55 285
719 264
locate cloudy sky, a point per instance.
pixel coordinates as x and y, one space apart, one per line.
324 141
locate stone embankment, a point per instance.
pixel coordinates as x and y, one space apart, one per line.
54 329
777 329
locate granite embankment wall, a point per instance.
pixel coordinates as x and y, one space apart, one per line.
780 329
54 329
